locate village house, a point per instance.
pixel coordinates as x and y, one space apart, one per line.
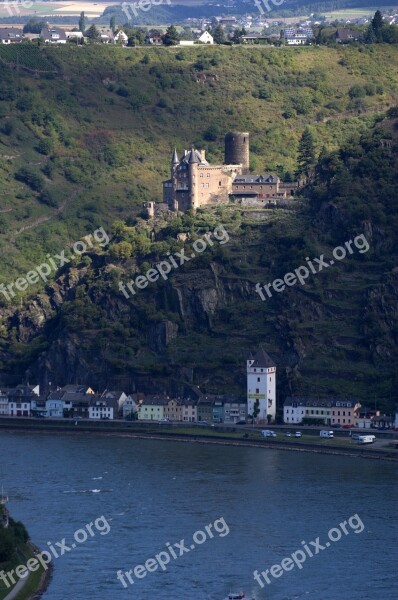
120 37
129 408
152 408
345 36
53 35
10 35
154 37
103 408
298 36
206 38
261 385
205 409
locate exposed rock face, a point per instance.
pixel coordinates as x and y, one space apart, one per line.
215 319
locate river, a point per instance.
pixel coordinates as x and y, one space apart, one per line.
262 504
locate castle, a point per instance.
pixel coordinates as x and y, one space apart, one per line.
194 182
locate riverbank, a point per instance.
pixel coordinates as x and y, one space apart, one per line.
30 588
229 437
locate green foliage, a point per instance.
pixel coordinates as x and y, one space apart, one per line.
171 37
31 178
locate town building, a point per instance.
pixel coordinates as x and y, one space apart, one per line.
120 38
332 411
261 385
195 183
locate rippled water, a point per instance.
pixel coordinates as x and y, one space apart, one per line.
154 492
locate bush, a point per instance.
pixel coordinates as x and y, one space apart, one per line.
31 178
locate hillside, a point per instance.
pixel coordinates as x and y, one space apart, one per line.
84 146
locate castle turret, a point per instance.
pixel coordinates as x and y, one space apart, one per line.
237 149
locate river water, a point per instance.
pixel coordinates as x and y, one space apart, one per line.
262 505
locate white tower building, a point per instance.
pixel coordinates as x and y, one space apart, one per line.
261 385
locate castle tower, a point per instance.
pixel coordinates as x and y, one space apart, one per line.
237 149
193 179
261 385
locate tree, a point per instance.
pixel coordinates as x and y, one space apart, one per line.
306 154
219 35
237 36
93 33
82 22
171 37
112 23
256 410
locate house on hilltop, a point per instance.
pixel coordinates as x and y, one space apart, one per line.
53 35
10 35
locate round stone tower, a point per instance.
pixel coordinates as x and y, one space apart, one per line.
237 149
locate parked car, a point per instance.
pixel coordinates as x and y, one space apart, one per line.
336 426
242 422
355 436
288 434
298 434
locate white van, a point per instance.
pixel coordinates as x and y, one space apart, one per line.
366 439
268 433
326 434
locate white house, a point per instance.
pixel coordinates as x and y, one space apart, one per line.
120 37
299 36
20 409
261 385
293 410
206 38
101 408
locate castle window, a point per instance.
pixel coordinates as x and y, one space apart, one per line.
201 174
219 183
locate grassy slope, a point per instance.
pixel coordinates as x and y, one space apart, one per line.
113 118
171 108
